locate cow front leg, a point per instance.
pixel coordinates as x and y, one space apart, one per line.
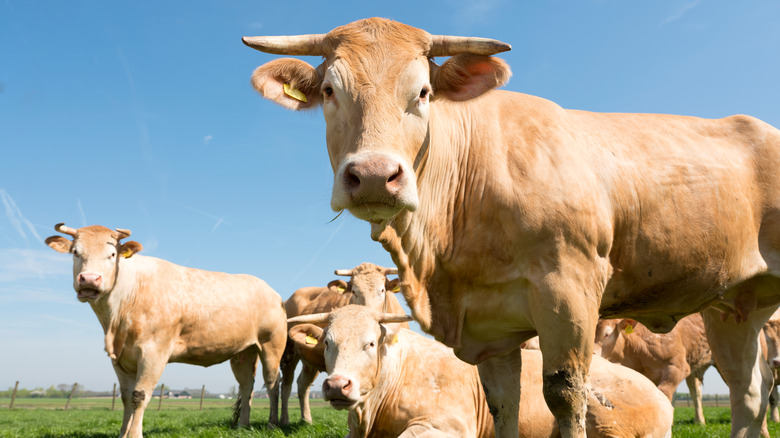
126 383
500 376
288 364
694 382
150 369
305 380
736 351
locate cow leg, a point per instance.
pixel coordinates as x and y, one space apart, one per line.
270 356
500 376
287 365
126 384
736 351
244 366
305 380
150 368
773 411
694 382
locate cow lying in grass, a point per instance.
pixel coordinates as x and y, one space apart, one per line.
154 312
398 383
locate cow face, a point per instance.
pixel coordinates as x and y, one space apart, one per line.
608 333
355 343
376 87
97 253
369 285
772 335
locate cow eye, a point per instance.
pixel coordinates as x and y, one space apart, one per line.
371 344
113 254
424 92
327 90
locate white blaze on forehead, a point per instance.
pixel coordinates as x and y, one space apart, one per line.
412 80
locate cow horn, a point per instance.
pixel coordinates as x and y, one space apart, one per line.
295 45
446 45
343 272
315 318
65 230
390 271
394 317
123 233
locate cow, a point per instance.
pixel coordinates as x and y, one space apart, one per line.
395 382
666 359
772 337
154 312
368 286
509 216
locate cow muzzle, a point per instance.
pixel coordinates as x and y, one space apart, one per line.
88 286
374 186
337 389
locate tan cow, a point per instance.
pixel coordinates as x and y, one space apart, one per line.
509 216
154 312
397 383
666 359
772 337
368 286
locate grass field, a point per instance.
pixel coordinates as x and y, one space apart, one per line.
92 418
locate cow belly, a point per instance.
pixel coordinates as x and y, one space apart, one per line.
207 354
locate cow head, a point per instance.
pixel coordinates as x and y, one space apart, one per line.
772 335
355 343
608 336
97 253
376 87
369 284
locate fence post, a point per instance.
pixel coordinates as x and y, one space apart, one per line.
717 404
162 389
202 391
70 396
13 396
113 397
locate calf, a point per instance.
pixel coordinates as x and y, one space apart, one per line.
665 359
397 383
154 312
368 286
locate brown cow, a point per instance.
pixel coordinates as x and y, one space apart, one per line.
154 312
772 337
666 359
367 286
397 383
509 216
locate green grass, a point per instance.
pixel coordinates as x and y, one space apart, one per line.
92 418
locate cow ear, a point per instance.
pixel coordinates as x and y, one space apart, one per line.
466 76
129 248
627 325
290 82
307 335
59 243
393 285
339 286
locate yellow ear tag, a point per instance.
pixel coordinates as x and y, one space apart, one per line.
294 93
127 253
341 288
311 340
394 340
629 329
396 288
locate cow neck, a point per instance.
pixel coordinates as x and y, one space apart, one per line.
384 395
420 241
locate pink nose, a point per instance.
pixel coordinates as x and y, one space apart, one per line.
375 177
776 363
336 386
89 279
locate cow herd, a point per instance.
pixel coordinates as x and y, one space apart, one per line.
507 217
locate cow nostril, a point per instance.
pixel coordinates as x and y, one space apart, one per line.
396 176
325 386
347 387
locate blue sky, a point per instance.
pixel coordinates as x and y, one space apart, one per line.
140 115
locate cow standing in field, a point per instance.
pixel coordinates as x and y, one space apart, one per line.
509 216
368 286
397 383
666 359
154 312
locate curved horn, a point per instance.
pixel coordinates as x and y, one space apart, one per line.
315 318
446 45
122 233
65 230
393 317
390 271
344 272
295 45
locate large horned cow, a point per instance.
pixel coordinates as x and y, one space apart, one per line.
509 216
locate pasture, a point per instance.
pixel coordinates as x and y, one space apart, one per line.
92 418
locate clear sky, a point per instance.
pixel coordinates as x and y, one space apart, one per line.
140 115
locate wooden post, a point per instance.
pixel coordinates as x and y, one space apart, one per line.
70 396
162 389
202 391
717 404
113 397
13 396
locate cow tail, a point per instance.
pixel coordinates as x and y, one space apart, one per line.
236 412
